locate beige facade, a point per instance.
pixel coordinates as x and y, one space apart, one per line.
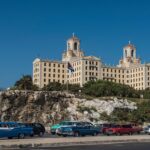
130 71
45 71
86 69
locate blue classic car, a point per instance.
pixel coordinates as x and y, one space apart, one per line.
13 129
80 130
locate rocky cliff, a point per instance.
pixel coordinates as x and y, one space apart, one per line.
51 107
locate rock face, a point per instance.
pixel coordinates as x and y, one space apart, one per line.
51 107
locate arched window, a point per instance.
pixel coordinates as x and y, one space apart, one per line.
68 45
132 53
75 46
125 53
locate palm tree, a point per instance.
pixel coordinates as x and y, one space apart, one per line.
25 83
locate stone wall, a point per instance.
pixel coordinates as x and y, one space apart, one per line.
52 107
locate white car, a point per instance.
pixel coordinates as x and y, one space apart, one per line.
147 130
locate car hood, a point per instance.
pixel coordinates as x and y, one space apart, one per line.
55 126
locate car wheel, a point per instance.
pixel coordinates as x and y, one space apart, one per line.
118 133
21 136
94 134
53 133
31 135
76 134
41 134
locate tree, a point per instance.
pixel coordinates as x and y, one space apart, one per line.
25 83
106 88
53 86
73 88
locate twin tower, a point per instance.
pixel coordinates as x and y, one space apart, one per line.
73 51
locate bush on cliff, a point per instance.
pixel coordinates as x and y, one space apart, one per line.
106 88
25 83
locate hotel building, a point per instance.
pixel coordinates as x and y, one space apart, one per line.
130 71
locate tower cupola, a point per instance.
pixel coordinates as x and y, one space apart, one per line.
73 43
129 51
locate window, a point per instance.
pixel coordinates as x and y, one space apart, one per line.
44 64
68 45
44 69
125 53
75 46
132 53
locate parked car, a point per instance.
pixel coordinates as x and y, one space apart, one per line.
38 128
123 129
83 129
63 123
147 129
103 127
13 129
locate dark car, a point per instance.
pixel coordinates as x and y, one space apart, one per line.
14 129
80 130
38 128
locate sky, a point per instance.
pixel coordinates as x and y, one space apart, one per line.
40 28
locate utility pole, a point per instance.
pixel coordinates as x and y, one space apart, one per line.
67 85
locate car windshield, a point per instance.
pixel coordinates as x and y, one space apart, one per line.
21 125
115 126
67 123
66 129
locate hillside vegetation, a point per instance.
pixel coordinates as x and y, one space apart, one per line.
102 90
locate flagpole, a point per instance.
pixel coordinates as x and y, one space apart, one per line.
70 69
67 85
67 77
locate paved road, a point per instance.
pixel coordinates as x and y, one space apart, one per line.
118 146
47 142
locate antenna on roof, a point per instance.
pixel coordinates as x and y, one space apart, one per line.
73 34
129 42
